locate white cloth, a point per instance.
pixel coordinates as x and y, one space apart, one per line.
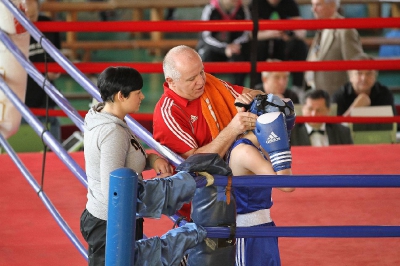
254 218
318 139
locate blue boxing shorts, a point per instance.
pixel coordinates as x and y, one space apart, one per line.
258 251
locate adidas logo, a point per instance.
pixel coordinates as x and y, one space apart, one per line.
273 138
193 118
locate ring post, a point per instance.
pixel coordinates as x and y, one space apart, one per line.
121 221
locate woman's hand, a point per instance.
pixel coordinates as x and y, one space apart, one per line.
162 167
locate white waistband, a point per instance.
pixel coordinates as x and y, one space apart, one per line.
254 218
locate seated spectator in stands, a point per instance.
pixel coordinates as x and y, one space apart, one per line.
283 45
36 97
317 103
362 90
276 82
331 44
221 46
392 50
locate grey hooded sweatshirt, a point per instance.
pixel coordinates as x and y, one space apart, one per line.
108 145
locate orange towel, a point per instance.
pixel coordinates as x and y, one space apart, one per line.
217 104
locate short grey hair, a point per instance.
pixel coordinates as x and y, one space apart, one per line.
337 2
265 74
169 62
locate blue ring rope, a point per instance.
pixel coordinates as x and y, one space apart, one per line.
308 231
311 181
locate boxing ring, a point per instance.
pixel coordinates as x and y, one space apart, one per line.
300 181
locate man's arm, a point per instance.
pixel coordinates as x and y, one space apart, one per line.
251 91
361 101
301 34
241 122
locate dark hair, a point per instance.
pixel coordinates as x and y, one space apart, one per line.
118 79
318 94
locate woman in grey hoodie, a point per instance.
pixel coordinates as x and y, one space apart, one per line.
108 145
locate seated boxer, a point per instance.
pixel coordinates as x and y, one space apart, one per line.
264 151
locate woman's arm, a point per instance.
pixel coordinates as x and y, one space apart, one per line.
159 164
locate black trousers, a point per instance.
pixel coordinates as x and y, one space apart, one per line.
94 232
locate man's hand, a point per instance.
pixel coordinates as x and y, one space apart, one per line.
242 121
231 49
242 101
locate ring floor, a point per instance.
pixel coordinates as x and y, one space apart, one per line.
30 236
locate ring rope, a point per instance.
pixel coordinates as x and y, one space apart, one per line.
46 125
299 119
237 25
341 231
312 181
240 67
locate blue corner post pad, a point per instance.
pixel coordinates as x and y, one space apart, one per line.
121 221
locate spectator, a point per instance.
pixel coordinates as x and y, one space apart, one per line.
276 82
331 44
362 90
36 97
221 46
109 145
283 45
317 103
